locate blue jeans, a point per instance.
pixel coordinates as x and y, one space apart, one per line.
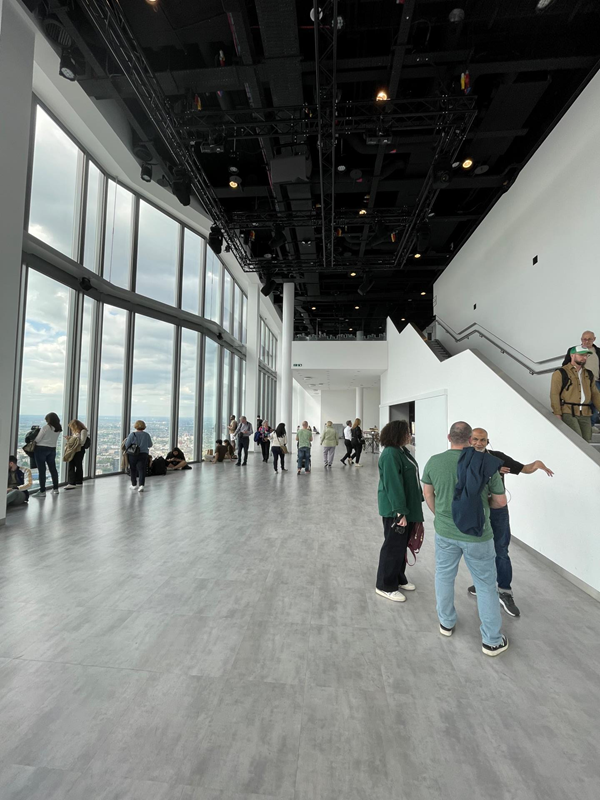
596 411
304 457
479 558
46 455
501 528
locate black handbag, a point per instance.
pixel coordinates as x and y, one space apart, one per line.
133 449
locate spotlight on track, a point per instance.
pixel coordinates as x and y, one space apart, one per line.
67 68
442 173
146 173
235 182
467 163
215 239
182 186
382 96
268 287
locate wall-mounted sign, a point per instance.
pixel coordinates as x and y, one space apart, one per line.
296 365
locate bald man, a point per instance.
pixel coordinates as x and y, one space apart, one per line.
588 339
500 519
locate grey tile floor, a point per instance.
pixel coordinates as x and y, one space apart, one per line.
219 638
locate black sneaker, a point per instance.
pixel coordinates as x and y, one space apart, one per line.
446 631
495 649
508 604
472 591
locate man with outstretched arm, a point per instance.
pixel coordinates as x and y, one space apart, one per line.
500 520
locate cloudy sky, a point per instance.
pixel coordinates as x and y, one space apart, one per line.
56 177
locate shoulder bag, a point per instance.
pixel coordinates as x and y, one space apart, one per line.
133 448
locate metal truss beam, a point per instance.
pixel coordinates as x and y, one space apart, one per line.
255 220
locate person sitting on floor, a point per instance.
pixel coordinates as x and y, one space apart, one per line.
228 445
176 459
19 481
220 452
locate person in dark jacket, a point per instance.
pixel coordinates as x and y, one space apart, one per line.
357 443
400 499
176 459
19 481
439 483
139 462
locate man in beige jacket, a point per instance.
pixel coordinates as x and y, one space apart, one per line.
573 391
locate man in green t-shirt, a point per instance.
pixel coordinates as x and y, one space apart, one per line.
439 482
304 438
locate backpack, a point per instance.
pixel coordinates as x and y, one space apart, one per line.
567 383
415 542
159 466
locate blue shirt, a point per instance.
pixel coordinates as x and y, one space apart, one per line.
141 438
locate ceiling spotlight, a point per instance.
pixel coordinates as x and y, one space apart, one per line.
182 186
417 255
313 308
403 319
233 169
341 168
67 68
362 212
349 329
312 14
152 2
357 307
356 175
215 239
382 96
146 173
268 288
543 5
423 294
456 15
235 181
467 163
353 274
442 173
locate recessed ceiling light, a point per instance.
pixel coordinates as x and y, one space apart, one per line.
423 293
481 169
234 182
382 95
467 163
357 307
362 212
417 255
349 329
353 274
341 168
313 308
403 319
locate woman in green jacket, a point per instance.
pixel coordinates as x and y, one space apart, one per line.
329 440
400 505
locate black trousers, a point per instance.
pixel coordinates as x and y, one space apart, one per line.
392 558
358 448
278 454
75 477
243 443
137 467
348 444
265 447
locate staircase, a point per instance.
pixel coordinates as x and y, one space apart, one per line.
596 442
438 348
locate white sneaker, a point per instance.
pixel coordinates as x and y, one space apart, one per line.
358 465
70 486
55 491
396 597
141 489
408 587
133 488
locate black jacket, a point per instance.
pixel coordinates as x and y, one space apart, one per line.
568 356
473 471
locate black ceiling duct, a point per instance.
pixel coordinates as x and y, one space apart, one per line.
182 186
215 239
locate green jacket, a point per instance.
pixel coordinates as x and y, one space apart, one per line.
399 485
329 437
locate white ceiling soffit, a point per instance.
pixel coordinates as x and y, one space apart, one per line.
325 380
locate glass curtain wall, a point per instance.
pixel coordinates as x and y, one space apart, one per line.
126 369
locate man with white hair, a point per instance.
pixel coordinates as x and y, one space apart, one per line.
588 339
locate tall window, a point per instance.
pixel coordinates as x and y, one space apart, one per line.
227 300
237 312
86 360
55 183
188 392
152 376
244 336
212 292
225 393
193 255
93 218
209 420
110 409
44 355
157 257
235 404
118 235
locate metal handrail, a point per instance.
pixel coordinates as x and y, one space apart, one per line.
458 338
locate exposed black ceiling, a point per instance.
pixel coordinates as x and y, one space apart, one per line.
250 82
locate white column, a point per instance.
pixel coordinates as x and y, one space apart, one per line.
360 393
287 336
16 76
250 409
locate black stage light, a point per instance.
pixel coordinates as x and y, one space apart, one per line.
146 173
85 284
269 287
67 68
215 239
219 336
442 173
182 186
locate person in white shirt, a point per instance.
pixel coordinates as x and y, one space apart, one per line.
79 431
45 452
347 442
278 440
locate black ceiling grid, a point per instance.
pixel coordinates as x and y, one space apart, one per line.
253 68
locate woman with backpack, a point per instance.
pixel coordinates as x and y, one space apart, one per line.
357 443
45 452
80 432
137 447
400 501
279 446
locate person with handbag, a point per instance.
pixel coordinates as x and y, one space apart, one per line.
45 452
79 442
357 443
137 447
264 434
279 446
329 440
400 499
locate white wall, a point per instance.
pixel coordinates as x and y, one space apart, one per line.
552 211
338 406
551 515
354 355
431 426
371 407
305 406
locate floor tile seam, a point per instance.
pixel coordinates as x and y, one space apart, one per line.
148 670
